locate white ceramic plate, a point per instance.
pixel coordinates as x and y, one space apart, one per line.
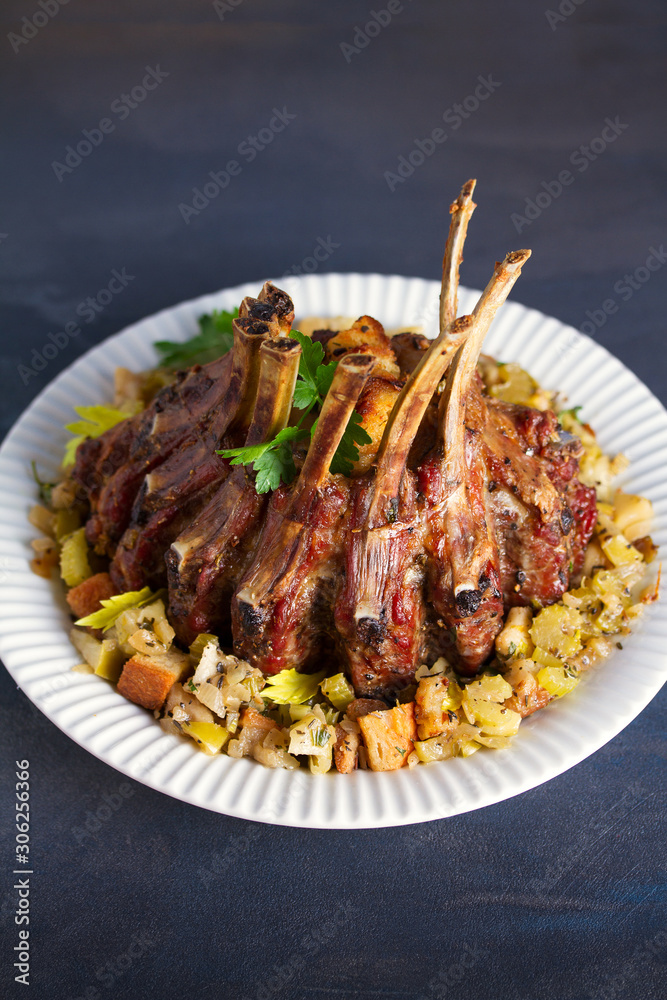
34 621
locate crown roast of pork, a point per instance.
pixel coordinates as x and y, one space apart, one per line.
462 506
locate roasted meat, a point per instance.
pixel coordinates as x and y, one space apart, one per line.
460 507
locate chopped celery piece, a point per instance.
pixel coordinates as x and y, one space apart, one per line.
437 748
492 718
200 643
338 690
619 550
113 608
546 659
557 681
491 687
321 763
110 664
516 385
289 687
453 697
330 714
209 735
104 656
74 565
297 712
557 630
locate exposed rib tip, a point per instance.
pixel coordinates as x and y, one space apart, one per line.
283 346
253 327
460 325
357 362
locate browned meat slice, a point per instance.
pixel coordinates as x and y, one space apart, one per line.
282 609
544 516
460 505
464 563
381 609
207 559
409 349
197 410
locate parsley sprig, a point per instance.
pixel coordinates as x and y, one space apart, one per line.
214 339
273 461
572 412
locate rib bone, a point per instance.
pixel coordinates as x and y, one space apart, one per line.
281 584
206 561
461 373
417 393
465 578
461 211
279 366
175 488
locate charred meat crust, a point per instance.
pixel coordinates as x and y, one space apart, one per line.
461 506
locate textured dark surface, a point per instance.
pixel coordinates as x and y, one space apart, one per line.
559 893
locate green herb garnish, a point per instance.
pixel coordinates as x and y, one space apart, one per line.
315 378
45 489
272 461
572 412
214 339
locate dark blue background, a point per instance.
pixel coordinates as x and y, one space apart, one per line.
557 894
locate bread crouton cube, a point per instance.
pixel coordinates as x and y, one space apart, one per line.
147 680
85 598
345 750
254 729
388 737
374 406
527 695
431 717
365 336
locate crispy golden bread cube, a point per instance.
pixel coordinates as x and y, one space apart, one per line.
389 737
147 680
253 720
431 717
374 406
527 695
254 728
365 336
85 598
345 750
